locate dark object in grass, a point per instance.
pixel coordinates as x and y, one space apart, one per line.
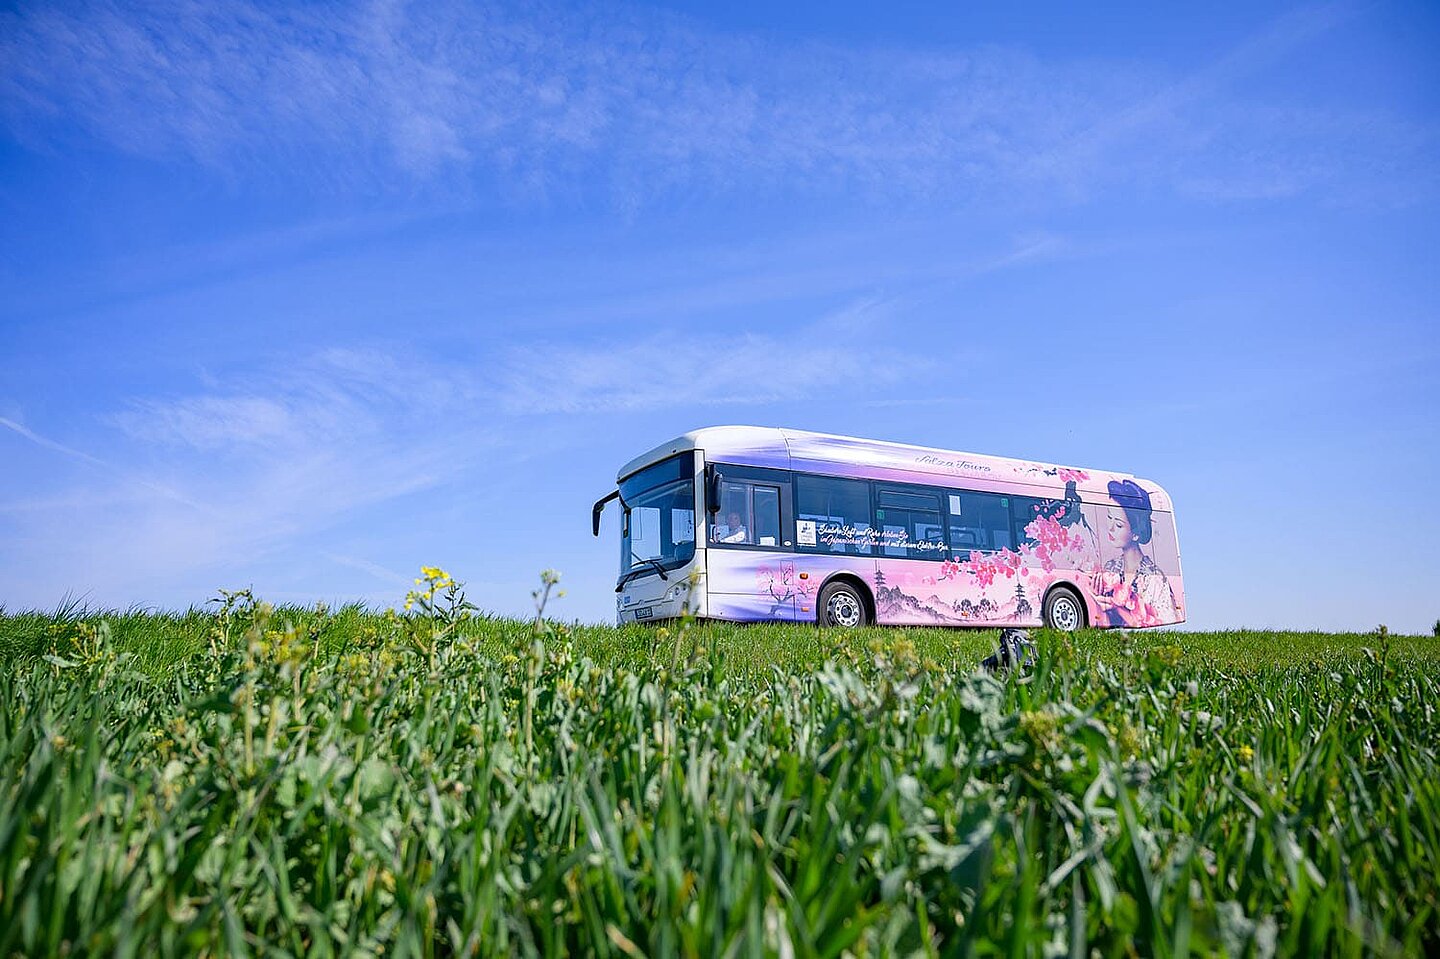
1016 651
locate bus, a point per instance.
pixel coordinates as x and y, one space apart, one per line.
753 524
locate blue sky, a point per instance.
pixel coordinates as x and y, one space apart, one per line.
301 297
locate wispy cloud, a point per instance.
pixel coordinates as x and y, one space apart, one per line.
122 476
213 422
221 477
710 359
373 569
1164 107
706 366
338 397
48 444
547 102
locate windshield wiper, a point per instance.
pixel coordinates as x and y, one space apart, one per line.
631 575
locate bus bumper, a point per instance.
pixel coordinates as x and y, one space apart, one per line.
650 599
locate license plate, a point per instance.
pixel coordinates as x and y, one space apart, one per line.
645 612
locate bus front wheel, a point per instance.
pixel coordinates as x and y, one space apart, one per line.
1064 610
841 605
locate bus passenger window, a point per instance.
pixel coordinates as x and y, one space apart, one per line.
732 521
749 515
835 514
910 524
979 522
1027 509
767 516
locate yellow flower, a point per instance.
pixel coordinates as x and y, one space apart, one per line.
1246 754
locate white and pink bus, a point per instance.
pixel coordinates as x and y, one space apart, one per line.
750 524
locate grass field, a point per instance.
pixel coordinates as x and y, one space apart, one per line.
248 780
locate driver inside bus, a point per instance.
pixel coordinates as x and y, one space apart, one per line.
732 530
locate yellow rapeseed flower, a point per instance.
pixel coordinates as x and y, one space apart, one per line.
1246 753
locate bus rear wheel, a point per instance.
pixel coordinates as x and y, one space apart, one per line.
1064 610
841 605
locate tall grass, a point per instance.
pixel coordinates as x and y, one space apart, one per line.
247 781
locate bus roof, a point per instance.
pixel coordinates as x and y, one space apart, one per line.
778 448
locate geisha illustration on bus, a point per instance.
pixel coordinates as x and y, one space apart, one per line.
1131 589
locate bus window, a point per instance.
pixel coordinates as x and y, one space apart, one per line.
833 515
910 524
659 521
767 515
749 515
662 524
645 532
1024 509
979 522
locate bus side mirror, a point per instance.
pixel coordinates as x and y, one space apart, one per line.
712 497
600 508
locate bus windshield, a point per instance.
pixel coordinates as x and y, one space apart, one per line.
659 525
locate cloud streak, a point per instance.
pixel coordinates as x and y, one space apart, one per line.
543 103
702 366
338 396
163 490
48 444
246 473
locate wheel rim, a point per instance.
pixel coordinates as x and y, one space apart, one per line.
1065 613
843 609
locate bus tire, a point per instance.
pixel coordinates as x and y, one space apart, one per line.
1064 609
841 605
